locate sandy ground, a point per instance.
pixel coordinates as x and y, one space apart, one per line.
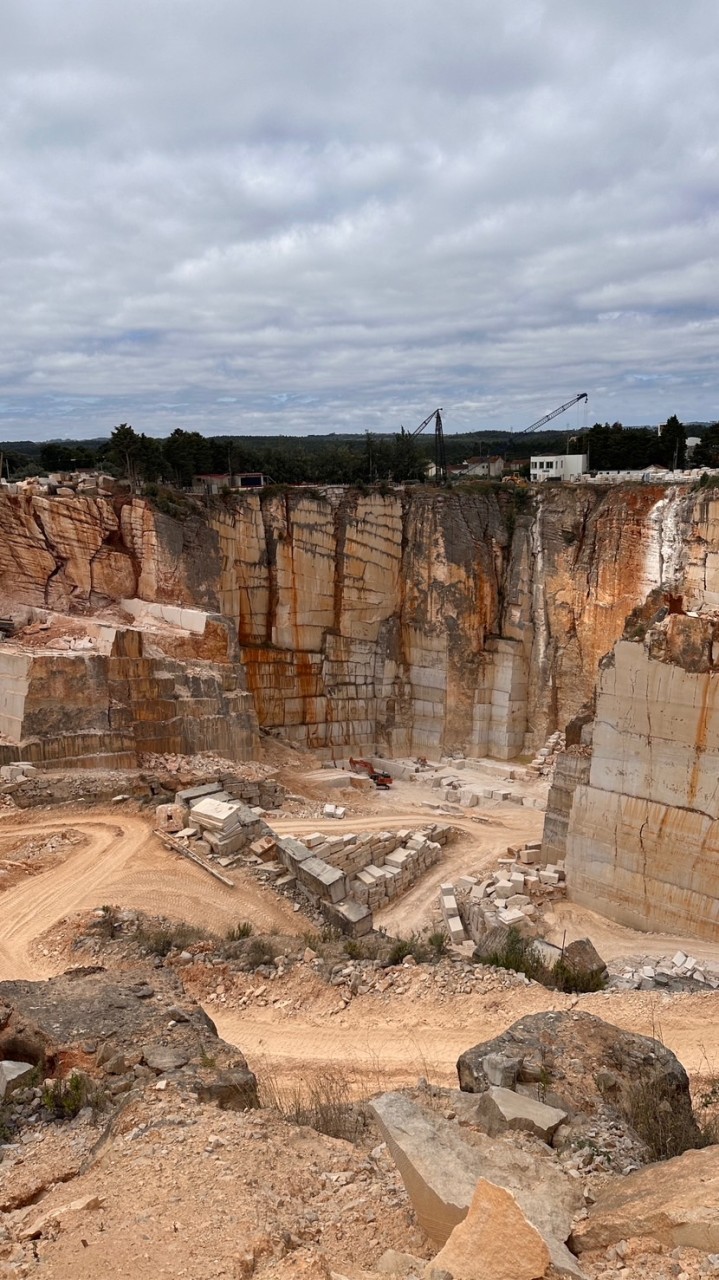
385 1044
122 862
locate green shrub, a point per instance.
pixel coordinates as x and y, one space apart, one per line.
438 941
64 1099
259 951
518 954
705 482
566 978
160 939
522 956
322 1102
403 947
312 939
237 932
106 925
666 1123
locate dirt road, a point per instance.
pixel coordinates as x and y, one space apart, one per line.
123 863
614 942
381 1043
383 1046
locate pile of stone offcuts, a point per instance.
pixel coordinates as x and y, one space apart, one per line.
211 823
679 972
544 761
511 896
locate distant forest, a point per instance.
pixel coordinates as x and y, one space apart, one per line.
346 459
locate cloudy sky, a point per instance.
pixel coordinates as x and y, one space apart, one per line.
293 217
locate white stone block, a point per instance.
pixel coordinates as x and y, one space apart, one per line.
504 889
511 916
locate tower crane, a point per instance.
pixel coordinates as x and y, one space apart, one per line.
440 457
554 414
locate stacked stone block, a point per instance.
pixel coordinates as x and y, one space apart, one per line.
362 871
450 911
95 711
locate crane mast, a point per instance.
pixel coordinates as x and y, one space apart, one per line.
440 456
554 414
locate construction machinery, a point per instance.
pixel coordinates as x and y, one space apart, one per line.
440 457
555 413
379 777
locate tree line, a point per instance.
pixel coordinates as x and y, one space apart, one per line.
358 459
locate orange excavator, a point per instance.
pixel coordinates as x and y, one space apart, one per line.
379 777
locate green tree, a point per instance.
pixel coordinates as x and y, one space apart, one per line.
188 454
673 443
706 453
407 462
124 452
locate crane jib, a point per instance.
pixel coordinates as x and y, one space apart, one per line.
555 413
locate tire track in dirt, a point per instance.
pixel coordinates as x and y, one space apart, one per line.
124 863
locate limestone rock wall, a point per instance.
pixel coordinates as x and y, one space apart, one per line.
414 621
76 554
104 711
423 622
642 845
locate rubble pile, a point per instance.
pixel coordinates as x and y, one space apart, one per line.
67 484
35 854
678 972
90 1037
193 770
274 983
211 823
513 895
91 786
542 766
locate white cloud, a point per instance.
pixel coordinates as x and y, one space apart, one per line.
322 217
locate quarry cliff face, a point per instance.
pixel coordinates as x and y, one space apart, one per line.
412 622
641 838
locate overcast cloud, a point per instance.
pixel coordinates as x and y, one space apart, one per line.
284 217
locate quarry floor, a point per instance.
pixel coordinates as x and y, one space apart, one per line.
383 1041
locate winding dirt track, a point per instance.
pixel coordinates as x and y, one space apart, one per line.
380 1042
123 863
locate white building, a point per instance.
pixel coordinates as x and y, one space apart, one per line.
490 468
558 466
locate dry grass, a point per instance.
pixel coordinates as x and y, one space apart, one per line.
323 1101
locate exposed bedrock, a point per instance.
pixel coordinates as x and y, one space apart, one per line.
414 622
642 842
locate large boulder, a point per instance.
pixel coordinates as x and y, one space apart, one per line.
676 1202
584 1065
14 1075
582 957
441 1172
477 1248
